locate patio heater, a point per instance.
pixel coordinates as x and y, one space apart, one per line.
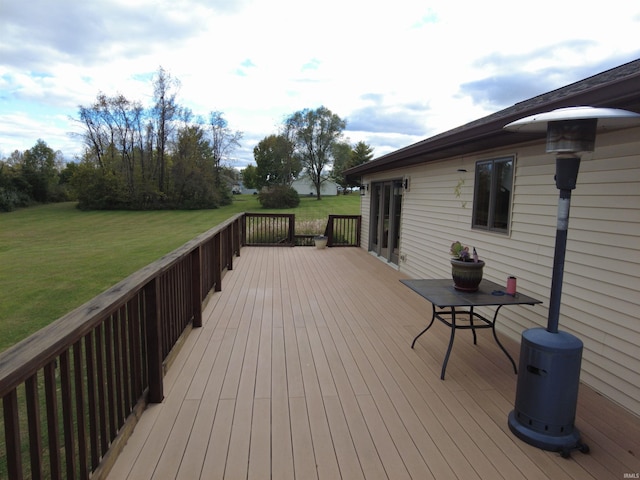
549 366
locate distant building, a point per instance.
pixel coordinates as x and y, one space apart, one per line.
305 187
243 190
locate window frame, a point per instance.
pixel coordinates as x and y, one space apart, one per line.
493 186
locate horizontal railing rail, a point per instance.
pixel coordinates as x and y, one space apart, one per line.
304 240
73 391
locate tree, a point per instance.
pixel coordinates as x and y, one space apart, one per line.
114 135
39 170
361 153
14 189
276 162
192 173
127 118
341 161
15 159
155 157
96 135
315 132
64 181
164 112
347 157
223 142
250 176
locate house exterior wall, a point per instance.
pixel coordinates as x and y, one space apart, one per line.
601 288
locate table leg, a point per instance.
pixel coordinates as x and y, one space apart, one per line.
453 333
433 317
475 339
493 329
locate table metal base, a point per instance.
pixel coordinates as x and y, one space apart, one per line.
484 323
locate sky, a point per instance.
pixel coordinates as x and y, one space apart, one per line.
397 71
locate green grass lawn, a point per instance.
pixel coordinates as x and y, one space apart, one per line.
54 258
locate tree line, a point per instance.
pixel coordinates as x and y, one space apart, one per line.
37 175
134 157
152 158
310 144
162 156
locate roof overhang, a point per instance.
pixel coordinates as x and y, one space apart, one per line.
487 133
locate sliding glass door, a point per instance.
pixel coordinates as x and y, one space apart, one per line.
386 211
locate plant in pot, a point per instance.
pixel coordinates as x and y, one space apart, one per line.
466 268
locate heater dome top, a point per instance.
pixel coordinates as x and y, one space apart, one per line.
608 118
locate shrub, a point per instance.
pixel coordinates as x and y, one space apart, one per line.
10 199
279 197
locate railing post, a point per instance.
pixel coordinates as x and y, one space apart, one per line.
292 229
154 341
35 424
53 427
243 230
67 414
217 263
12 435
329 231
229 249
235 238
196 286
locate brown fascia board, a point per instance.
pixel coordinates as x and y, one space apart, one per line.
488 132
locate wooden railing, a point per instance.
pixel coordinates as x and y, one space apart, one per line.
72 392
279 229
269 229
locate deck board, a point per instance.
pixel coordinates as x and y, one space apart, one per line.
303 369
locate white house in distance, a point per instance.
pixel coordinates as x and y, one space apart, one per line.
495 190
305 187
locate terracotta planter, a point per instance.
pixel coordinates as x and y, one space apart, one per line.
466 275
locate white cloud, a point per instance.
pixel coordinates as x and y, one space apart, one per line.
397 72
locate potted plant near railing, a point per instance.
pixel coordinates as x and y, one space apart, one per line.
320 241
466 268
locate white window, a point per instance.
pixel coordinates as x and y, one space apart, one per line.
492 194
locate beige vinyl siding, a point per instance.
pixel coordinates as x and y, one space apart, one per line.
601 288
365 211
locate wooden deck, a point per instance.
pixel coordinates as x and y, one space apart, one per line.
303 369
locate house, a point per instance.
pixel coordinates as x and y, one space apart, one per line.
495 190
305 187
